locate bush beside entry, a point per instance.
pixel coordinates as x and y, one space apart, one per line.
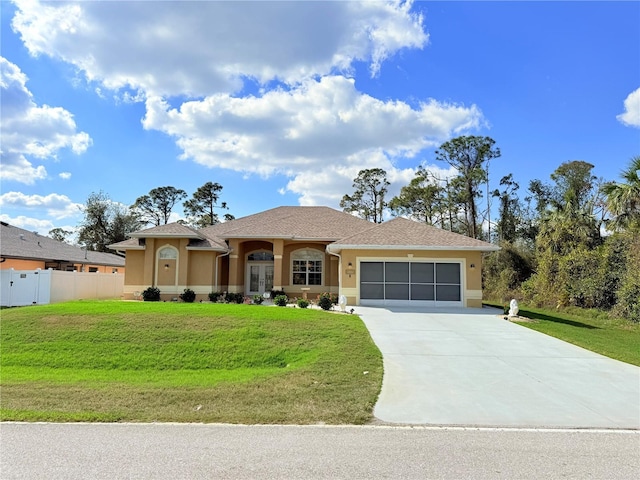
188 296
281 300
325 302
151 294
215 296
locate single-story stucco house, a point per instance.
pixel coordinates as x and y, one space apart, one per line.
309 250
24 250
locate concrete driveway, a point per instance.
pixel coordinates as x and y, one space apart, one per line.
471 367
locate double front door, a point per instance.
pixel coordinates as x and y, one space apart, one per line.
260 277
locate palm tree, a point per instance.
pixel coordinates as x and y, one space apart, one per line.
623 199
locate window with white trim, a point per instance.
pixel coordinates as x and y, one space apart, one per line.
306 267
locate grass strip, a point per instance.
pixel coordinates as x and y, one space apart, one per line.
591 329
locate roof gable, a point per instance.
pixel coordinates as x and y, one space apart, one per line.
174 230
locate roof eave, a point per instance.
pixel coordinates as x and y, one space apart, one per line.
283 237
208 249
164 235
335 247
126 247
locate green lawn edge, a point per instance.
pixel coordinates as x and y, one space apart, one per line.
592 330
303 367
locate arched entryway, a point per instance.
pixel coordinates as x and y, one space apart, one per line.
259 274
167 266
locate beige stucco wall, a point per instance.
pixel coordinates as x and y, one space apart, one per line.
471 265
134 274
197 269
201 268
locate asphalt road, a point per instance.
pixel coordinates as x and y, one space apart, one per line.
188 451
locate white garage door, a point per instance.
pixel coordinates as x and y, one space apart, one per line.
402 283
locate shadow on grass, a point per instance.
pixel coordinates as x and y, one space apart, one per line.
551 318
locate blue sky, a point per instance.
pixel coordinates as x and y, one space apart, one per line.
282 103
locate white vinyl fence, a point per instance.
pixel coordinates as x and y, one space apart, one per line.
39 287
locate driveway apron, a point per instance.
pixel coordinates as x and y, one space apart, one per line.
472 367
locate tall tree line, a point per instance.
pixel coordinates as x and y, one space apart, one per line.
573 241
106 222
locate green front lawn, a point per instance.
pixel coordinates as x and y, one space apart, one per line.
590 329
142 362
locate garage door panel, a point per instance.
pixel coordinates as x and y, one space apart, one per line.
396 291
422 292
372 271
448 273
396 272
447 293
373 291
422 273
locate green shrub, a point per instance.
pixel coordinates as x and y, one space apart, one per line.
215 296
151 294
629 300
234 297
258 299
188 295
504 271
281 300
276 293
325 302
303 303
628 294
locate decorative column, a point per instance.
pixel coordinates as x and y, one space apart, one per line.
183 265
234 266
278 252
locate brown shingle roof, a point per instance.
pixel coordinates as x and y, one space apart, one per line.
129 244
18 243
401 232
316 223
168 230
313 223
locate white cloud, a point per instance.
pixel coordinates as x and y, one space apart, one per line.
190 61
29 131
324 121
54 205
327 186
65 175
323 128
631 115
41 226
202 48
27 223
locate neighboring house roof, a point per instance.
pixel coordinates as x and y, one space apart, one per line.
23 244
408 234
315 223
